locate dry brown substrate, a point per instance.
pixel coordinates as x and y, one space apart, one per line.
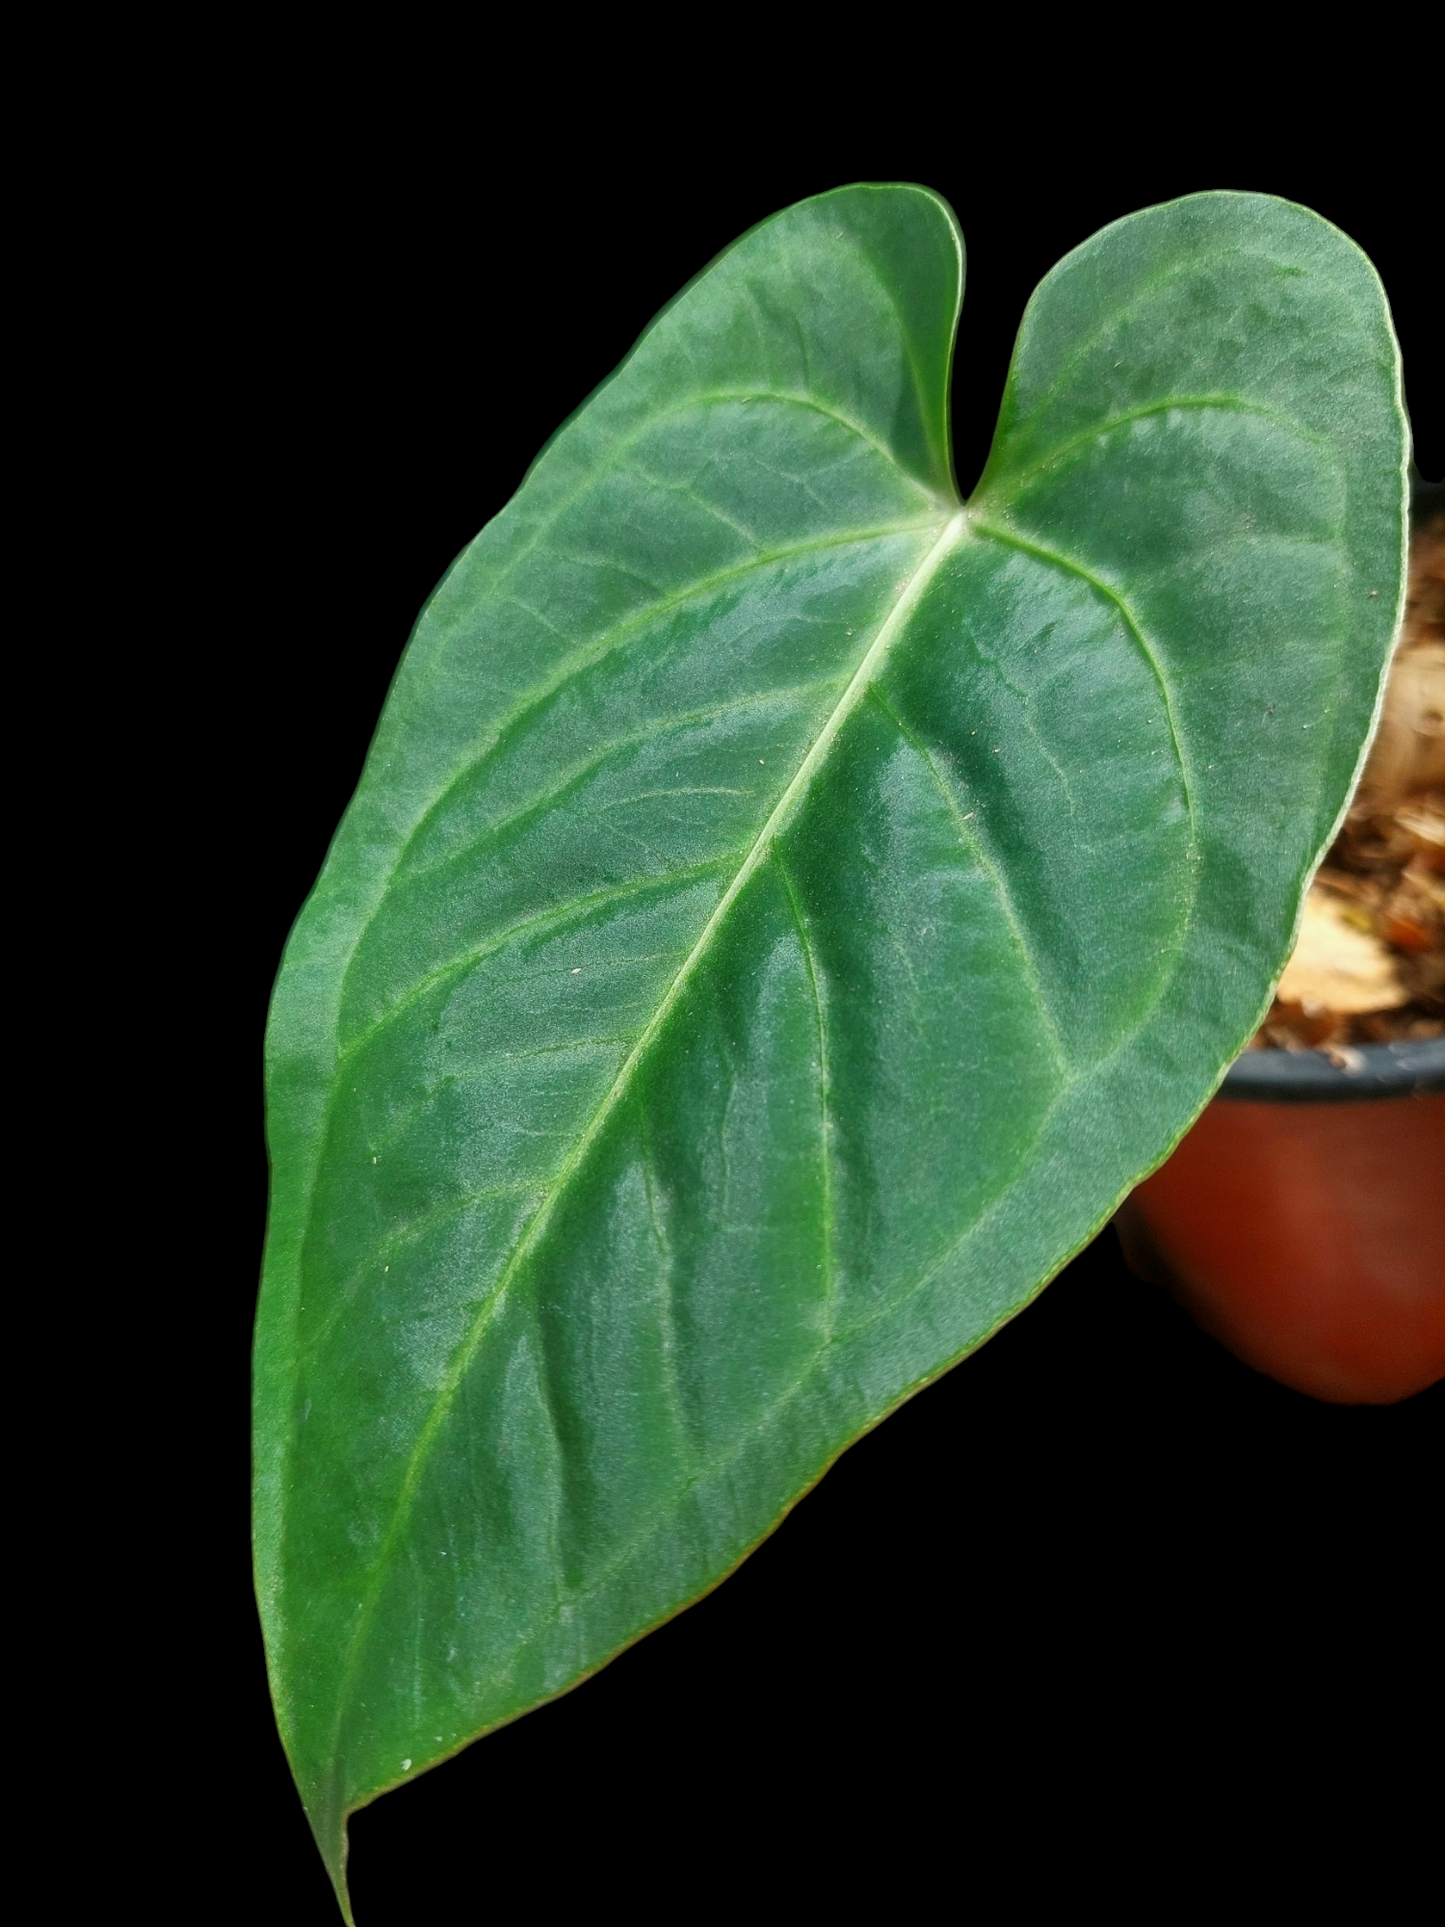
1369 966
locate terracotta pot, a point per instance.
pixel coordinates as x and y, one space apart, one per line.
1302 1220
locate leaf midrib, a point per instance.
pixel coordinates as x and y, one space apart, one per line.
614 638
787 803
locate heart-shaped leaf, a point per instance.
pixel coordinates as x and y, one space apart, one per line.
783 912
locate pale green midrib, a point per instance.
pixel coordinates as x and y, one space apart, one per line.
270 1529
596 651
594 475
722 1464
407 1233
781 811
1075 1078
401 1122
558 917
655 731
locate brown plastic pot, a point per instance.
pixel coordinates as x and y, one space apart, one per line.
1302 1220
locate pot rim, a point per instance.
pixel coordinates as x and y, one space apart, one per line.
1413 1067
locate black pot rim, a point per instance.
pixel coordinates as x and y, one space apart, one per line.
1415 1068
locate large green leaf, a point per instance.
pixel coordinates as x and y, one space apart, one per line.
783 912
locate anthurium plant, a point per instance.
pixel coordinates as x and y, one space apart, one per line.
785 909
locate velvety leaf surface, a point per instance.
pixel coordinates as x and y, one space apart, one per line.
782 913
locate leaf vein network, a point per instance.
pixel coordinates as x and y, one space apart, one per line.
536 1226
613 637
1011 481
655 731
973 841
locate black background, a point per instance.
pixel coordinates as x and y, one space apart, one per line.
1100 1602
